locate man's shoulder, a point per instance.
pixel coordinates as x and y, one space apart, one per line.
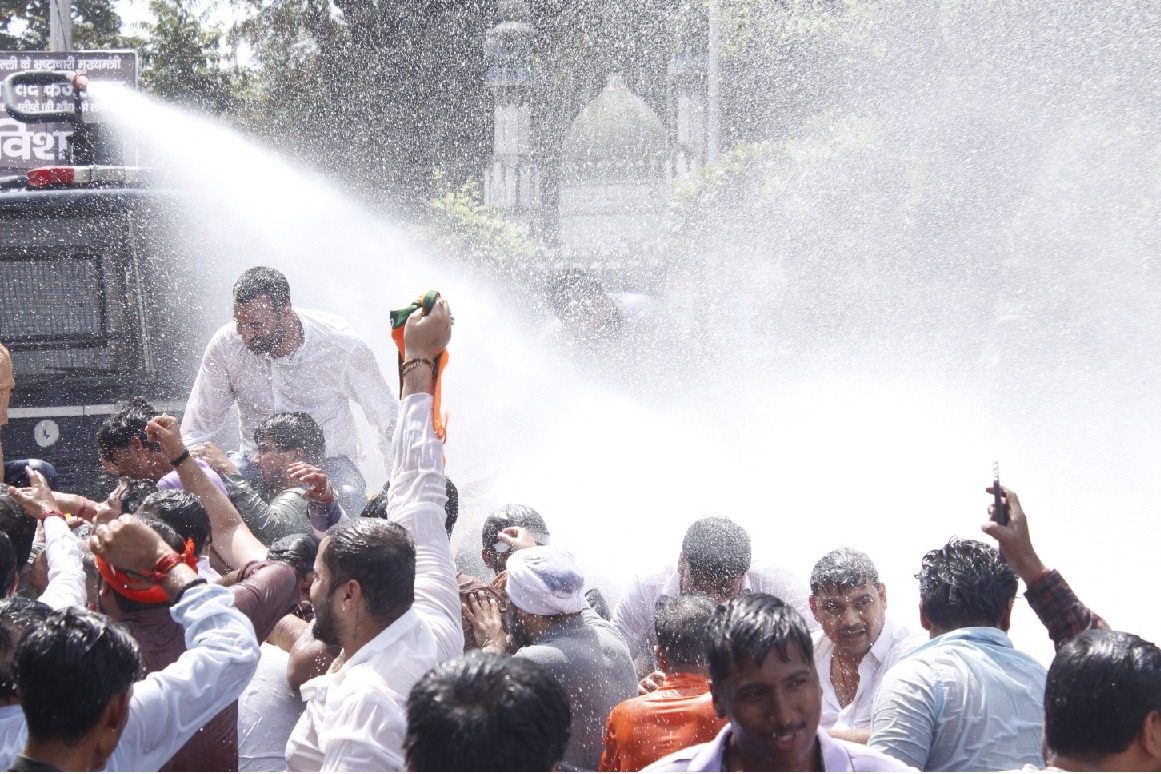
706 756
682 760
328 324
771 579
900 641
860 757
654 581
981 643
544 653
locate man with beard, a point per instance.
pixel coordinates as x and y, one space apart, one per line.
859 642
276 358
385 590
763 678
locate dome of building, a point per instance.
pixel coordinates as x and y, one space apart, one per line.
616 136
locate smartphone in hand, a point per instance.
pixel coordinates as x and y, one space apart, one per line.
1000 512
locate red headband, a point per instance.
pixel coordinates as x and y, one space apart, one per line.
141 587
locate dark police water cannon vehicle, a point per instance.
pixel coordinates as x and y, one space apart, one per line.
100 290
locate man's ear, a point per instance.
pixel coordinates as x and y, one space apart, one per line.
1006 618
352 594
813 607
883 594
1150 738
924 621
107 732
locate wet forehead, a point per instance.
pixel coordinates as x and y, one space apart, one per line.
847 595
255 309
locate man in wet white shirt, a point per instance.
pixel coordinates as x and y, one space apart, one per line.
858 643
715 562
385 591
275 358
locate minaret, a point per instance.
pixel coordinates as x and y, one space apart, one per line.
512 181
688 111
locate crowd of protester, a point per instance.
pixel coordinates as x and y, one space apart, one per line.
228 611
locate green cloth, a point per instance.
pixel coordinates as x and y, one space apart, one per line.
427 301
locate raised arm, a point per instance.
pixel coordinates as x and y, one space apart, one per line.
231 538
221 656
418 486
63 550
1049 595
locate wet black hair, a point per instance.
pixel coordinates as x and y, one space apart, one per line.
841 570
487 712
569 285
376 507
511 515
1100 688
380 556
183 512
262 281
136 493
965 583
716 548
118 430
294 430
19 527
69 668
18 616
680 623
299 551
747 628
9 569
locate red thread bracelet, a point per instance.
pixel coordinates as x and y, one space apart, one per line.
164 565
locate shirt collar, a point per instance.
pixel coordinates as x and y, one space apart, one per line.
711 757
968 635
886 640
672 585
383 639
985 634
685 681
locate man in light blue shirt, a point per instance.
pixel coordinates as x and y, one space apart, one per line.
967 700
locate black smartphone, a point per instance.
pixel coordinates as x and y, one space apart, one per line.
1000 512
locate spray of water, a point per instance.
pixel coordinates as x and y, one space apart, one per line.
949 263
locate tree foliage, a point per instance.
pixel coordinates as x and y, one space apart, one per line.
181 59
458 225
24 25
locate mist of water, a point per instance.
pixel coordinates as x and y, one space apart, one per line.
949 261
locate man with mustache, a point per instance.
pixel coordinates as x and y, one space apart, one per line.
763 678
859 642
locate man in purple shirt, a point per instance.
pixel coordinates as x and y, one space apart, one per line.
763 678
126 451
